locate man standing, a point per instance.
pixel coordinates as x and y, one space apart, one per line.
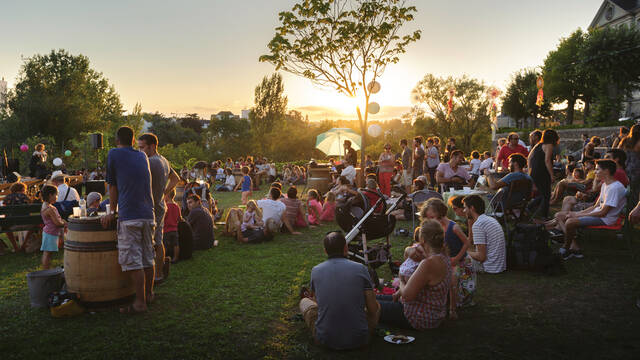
418 157
433 160
201 222
486 235
512 147
129 182
351 155
163 180
407 171
341 309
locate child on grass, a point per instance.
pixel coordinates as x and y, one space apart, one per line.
170 230
246 185
329 208
53 224
252 228
314 207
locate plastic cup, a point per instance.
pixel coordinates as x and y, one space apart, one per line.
76 212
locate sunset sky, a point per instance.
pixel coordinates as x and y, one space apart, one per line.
202 56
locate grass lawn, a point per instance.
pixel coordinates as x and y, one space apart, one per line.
239 301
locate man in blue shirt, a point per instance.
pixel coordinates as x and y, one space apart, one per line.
517 163
341 308
129 180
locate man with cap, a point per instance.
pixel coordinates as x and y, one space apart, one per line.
65 192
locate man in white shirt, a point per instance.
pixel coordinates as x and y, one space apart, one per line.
605 211
487 162
57 179
349 172
273 213
486 235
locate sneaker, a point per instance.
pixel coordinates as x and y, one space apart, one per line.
567 254
562 251
577 254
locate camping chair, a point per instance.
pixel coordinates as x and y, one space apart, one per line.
417 199
510 204
621 227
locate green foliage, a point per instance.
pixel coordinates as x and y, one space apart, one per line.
469 121
565 79
611 55
228 137
170 131
519 100
59 94
342 44
185 154
270 108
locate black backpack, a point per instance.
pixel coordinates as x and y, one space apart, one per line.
185 240
65 207
528 249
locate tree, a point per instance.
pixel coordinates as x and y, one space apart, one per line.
192 121
228 137
59 94
169 131
611 55
469 121
519 100
565 79
342 44
269 110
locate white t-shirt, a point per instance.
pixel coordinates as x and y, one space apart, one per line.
349 172
230 181
220 171
486 164
62 191
272 171
487 231
475 166
611 195
272 209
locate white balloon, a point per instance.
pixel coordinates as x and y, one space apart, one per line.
373 87
374 130
57 161
374 108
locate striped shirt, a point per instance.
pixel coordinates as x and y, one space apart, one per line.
487 231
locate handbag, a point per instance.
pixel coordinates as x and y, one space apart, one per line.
65 207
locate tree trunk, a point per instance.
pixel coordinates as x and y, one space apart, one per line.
587 109
571 104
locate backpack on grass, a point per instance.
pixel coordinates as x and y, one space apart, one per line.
185 240
528 249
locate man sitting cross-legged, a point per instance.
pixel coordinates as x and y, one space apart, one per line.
273 213
340 309
486 236
605 211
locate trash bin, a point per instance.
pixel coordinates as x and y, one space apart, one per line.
42 283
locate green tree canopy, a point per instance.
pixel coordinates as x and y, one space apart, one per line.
469 121
519 100
342 44
59 94
269 110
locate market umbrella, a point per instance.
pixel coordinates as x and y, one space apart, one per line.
330 142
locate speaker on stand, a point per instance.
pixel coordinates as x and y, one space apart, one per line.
96 141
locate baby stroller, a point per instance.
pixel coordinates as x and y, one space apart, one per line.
365 222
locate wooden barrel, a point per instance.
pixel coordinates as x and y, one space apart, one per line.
319 179
91 267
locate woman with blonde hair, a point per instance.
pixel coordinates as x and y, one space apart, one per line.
252 228
422 303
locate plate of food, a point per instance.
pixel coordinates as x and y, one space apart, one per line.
399 339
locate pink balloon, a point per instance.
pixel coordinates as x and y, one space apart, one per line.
24 147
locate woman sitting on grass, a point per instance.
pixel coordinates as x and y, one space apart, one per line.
422 303
457 243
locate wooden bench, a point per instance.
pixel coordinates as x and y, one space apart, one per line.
33 186
20 217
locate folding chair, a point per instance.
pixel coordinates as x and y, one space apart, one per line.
510 204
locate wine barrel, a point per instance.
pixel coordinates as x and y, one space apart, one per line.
91 263
319 179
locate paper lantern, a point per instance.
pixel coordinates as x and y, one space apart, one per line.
540 96
374 130
374 108
67 153
24 147
373 87
57 162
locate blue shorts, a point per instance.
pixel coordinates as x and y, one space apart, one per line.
590 221
49 242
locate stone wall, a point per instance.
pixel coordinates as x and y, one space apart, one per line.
571 139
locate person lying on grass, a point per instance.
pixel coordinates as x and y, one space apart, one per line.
340 308
605 211
422 303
